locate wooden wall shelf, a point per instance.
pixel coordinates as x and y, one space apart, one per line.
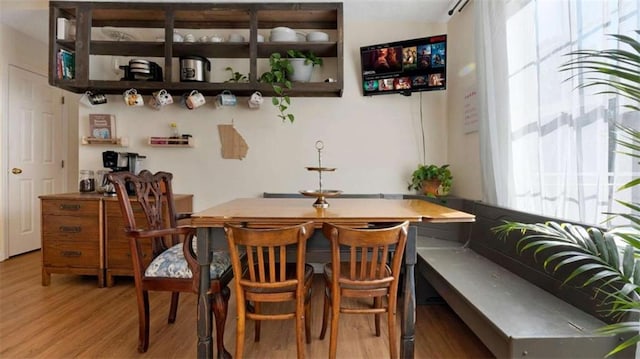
170 142
167 17
120 141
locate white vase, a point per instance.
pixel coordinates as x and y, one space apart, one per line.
301 71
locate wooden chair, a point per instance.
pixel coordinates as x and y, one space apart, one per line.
365 274
172 268
259 259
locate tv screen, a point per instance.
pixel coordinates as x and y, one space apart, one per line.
404 66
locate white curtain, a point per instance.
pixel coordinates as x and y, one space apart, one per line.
547 147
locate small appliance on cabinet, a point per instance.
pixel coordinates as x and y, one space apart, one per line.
121 162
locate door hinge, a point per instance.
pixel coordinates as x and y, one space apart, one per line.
62 164
62 100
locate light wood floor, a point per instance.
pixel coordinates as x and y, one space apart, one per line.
73 318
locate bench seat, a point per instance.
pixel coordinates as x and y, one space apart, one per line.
513 317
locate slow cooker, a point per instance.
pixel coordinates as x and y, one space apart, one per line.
194 68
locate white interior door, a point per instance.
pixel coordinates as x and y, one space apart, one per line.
35 154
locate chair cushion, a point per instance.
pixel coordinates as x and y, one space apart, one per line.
172 264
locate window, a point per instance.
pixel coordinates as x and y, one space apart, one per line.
562 159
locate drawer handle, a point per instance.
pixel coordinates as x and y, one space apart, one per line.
71 253
70 229
70 207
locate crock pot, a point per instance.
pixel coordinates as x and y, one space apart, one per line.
194 68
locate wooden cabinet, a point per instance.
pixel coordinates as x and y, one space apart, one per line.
84 234
157 22
72 236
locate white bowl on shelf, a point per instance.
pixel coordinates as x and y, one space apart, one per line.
317 36
235 37
282 34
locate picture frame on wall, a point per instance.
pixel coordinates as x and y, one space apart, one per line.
102 126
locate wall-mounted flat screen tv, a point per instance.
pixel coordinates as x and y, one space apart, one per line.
404 66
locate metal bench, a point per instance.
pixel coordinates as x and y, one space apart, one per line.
510 302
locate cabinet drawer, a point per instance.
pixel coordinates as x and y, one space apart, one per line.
61 207
119 255
71 254
112 209
71 228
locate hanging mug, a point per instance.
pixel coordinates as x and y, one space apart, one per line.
226 98
90 99
255 100
154 104
195 100
160 98
133 98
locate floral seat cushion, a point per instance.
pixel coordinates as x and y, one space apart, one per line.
172 264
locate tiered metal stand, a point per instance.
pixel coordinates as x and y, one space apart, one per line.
320 193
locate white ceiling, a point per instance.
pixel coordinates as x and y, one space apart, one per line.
31 16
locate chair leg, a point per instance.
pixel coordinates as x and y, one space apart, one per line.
220 307
307 317
393 337
335 316
377 303
173 311
257 308
300 325
143 320
241 319
325 315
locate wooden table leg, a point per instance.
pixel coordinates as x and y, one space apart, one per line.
205 317
408 319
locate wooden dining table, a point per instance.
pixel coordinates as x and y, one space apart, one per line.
274 212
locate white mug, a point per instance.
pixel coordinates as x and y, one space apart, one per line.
162 97
195 100
255 100
133 98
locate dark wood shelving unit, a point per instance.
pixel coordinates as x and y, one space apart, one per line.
167 17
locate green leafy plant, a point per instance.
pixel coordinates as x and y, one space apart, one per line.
432 172
308 56
236 76
280 67
593 253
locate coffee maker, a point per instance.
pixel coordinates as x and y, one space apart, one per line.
121 162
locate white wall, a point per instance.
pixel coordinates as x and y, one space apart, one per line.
374 142
463 148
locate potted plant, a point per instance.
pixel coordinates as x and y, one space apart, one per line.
280 68
432 180
595 255
302 64
236 76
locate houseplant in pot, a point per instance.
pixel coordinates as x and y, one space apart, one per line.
608 259
433 180
279 69
302 64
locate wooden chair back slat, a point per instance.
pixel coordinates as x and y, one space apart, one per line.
365 274
368 250
267 280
